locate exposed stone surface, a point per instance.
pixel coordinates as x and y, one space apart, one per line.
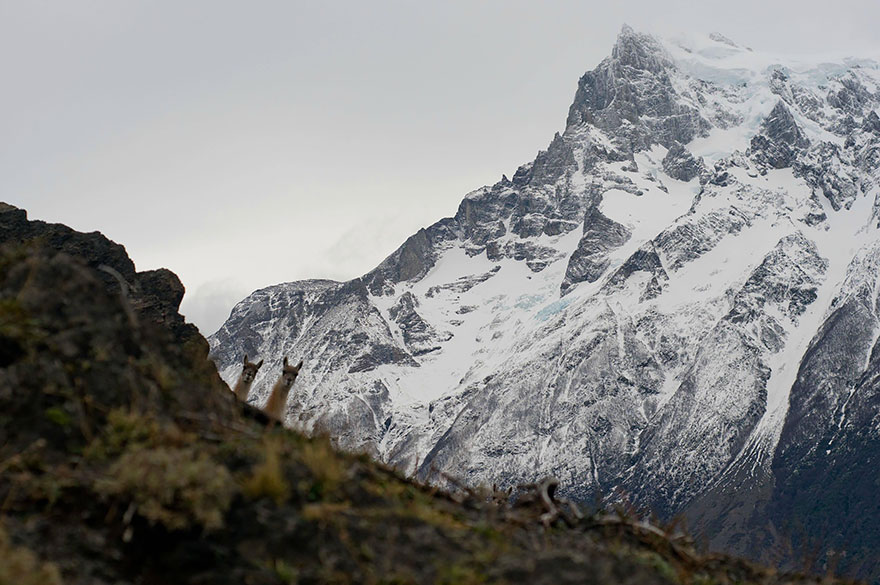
680 164
780 138
630 95
154 295
590 260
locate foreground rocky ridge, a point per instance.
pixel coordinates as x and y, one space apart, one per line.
124 459
675 303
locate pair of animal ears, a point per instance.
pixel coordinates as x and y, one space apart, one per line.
298 367
286 365
258 364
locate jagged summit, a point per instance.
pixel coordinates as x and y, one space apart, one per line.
628 95
639 51
650 306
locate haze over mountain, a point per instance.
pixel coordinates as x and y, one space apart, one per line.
677 301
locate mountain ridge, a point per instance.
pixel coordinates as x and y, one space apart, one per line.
630 310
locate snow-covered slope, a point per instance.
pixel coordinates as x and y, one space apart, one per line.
679 295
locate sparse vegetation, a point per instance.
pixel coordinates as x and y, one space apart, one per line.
176 487
653 560
267 478
127 430
324 466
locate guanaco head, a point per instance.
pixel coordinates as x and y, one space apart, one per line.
249 370
289 373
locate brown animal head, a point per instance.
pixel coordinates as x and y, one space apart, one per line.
249 370
289 374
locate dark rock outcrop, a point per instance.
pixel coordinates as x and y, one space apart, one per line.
154 294
413 259
822 496
779 140
680 164
418 335
851 97
822 167
590 260
872 123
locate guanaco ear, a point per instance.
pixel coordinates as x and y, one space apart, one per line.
260 363
299 366
245 359
285 361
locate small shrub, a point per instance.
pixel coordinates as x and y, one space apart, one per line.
287 573
176 487
460 575
59 416
20 566
16 323
324 512
127 430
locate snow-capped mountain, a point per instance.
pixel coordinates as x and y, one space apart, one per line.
676 302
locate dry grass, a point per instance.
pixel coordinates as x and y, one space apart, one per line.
267 478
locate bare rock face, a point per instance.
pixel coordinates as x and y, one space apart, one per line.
590 260
780 138
851 96
418 335
550 165
630 95
155 294
872 123
412 260
680 164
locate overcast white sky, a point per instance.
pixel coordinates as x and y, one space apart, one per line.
243 144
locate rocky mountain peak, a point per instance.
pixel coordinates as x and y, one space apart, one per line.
639 51
780 139
632 97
